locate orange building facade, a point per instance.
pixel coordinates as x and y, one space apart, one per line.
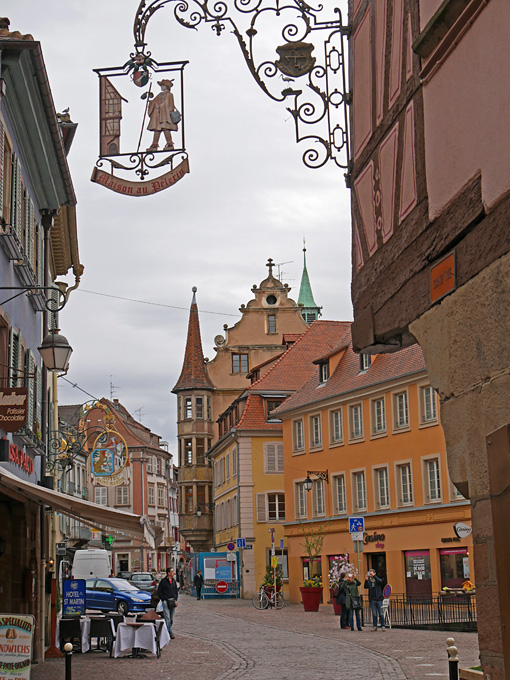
372 423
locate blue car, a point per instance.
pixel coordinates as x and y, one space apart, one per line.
115 594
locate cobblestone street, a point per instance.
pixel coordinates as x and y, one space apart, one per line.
226 640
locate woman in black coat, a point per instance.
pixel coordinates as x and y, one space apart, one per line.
340 600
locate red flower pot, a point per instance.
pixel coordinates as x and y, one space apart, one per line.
311 598
337 608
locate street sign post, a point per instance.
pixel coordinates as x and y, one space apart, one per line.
231 546
221 587
356 525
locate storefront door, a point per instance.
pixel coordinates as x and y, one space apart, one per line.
418 577
454 567
377 562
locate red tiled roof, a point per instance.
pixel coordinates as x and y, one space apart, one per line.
347 376
194 373
254 415
295 365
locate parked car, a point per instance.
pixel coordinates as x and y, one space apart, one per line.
124 574
115 594
144 580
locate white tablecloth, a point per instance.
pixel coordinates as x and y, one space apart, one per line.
143 637
85 630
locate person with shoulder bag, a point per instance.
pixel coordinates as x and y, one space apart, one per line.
340 600
352 600
168 593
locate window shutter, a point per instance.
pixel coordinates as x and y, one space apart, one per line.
30 384
279 465
38 397
40 255
270 457
17 198
261 507
15 358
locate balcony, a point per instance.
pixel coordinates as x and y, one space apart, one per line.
10 242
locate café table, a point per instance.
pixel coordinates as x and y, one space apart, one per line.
138 636
84 629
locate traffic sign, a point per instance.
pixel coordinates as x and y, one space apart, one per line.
387 590
281 543
356 524
248 546
231 546
241 542
357 535
221 586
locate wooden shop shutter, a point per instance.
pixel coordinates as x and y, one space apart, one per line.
261 507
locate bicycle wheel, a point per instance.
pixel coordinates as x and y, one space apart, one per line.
260 600
279 601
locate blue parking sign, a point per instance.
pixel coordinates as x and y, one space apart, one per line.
241 542
356 524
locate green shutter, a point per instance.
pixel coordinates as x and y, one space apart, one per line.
14 357
30 384
2 151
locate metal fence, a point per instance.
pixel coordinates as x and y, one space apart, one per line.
439 612
209 588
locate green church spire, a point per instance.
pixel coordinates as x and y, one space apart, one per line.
310 311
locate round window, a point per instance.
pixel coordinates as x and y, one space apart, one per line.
271 299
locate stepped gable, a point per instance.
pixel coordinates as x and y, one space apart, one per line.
254 416
295 367
194 373
348 377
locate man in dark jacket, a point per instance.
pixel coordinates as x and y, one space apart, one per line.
198 582
340 600
375 596
168 593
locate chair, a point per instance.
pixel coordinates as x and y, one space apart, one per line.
386 613
159 627
70 629
116 618
102 630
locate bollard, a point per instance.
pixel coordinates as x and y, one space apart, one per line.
68 649
453 659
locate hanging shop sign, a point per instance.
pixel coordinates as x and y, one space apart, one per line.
16 634
152 132
10 453
462 530
13 408
110 460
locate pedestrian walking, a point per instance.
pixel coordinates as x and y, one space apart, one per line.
375 597
198 582
352 600
340 600
168 593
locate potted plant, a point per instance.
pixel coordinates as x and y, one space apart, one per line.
269 579
311 590
341 566
311 593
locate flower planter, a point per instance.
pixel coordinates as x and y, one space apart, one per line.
311 598
337 608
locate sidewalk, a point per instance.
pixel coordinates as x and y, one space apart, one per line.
230 639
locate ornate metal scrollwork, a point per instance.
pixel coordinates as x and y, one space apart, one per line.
324 107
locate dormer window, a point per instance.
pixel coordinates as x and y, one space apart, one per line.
365 361
271 404
324 372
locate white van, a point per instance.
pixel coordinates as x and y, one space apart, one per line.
91 563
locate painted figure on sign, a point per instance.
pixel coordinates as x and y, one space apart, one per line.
160 112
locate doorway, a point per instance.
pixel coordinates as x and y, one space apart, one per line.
418 576
377 562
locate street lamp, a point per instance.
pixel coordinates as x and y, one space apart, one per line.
320 474
199 511
55 351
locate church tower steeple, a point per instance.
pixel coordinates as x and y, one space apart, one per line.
310 310
195 430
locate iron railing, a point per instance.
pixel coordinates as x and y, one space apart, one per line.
209 588
436 612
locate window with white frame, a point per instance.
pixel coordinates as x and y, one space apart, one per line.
273 458
318 498
199 408
315 431
101 495
299 440
234 461
365 361
227 466
271 323
149 464
337 434
161 496
378 416
324 372
275 507
340 494
433 480
356 421
405 482
428 404
360 490
122 495
150 494
401 414
158 465
382 487
188 407
301 500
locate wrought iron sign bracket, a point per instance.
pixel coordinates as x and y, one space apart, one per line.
316 84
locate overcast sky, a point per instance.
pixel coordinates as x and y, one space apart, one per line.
248 197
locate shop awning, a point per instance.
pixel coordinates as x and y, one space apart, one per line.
77 508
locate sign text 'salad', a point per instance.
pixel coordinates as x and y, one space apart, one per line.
312 80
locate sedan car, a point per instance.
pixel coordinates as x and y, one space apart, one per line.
115 594
144 580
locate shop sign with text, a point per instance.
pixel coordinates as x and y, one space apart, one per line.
16 633
12 454
13 408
